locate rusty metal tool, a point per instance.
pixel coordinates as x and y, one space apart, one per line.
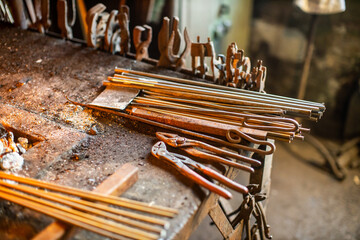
252 206
111 26
212 105
96 20
116 38
200 93
42 12
141 47
190 146
199 51
66 20
199 125
118 201
169 47
175 129
182 164
217 88
124 18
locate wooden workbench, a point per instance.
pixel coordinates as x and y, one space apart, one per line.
36 72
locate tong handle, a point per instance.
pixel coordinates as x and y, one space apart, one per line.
224 180
186 171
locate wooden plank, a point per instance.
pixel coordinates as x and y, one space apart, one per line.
115 185
221 221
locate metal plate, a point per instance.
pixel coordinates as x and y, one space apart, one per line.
115 97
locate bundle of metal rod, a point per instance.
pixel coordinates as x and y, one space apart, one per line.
174 99
234 145
86 209
291 106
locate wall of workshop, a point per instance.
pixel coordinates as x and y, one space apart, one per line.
279 35
203 18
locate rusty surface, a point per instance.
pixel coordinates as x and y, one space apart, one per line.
51 68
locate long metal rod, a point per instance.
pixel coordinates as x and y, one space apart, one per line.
213 86
122 202
180 130
73 217
81 205
280 136
200 96
218 91
205 91
225 107
287 123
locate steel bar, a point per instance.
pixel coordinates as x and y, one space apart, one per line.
209 92
215 91
102 226
176 129
81 205
199 125
213 86
122 202
287 123
225 107
200 96
281 136
261 125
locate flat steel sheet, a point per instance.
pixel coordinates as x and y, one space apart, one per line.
115 97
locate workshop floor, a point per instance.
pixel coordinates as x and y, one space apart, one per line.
305 202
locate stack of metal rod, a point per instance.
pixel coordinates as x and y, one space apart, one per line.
86 209
216 110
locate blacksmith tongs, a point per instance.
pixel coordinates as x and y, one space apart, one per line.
182 164
190 146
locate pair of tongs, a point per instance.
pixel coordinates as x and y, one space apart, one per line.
192 147
182 164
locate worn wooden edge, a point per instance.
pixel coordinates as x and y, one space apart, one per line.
115 185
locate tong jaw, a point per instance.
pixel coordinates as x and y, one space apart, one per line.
159 151
174 140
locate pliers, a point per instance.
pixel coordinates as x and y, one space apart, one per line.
183 164
189 146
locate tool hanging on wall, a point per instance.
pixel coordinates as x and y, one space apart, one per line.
5 14
199 51
141 47
32 14
225 112
112 40
108 31
169 47
235 70
39 14
124 18
96 20
66 17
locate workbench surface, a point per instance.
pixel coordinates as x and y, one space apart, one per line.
36 73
